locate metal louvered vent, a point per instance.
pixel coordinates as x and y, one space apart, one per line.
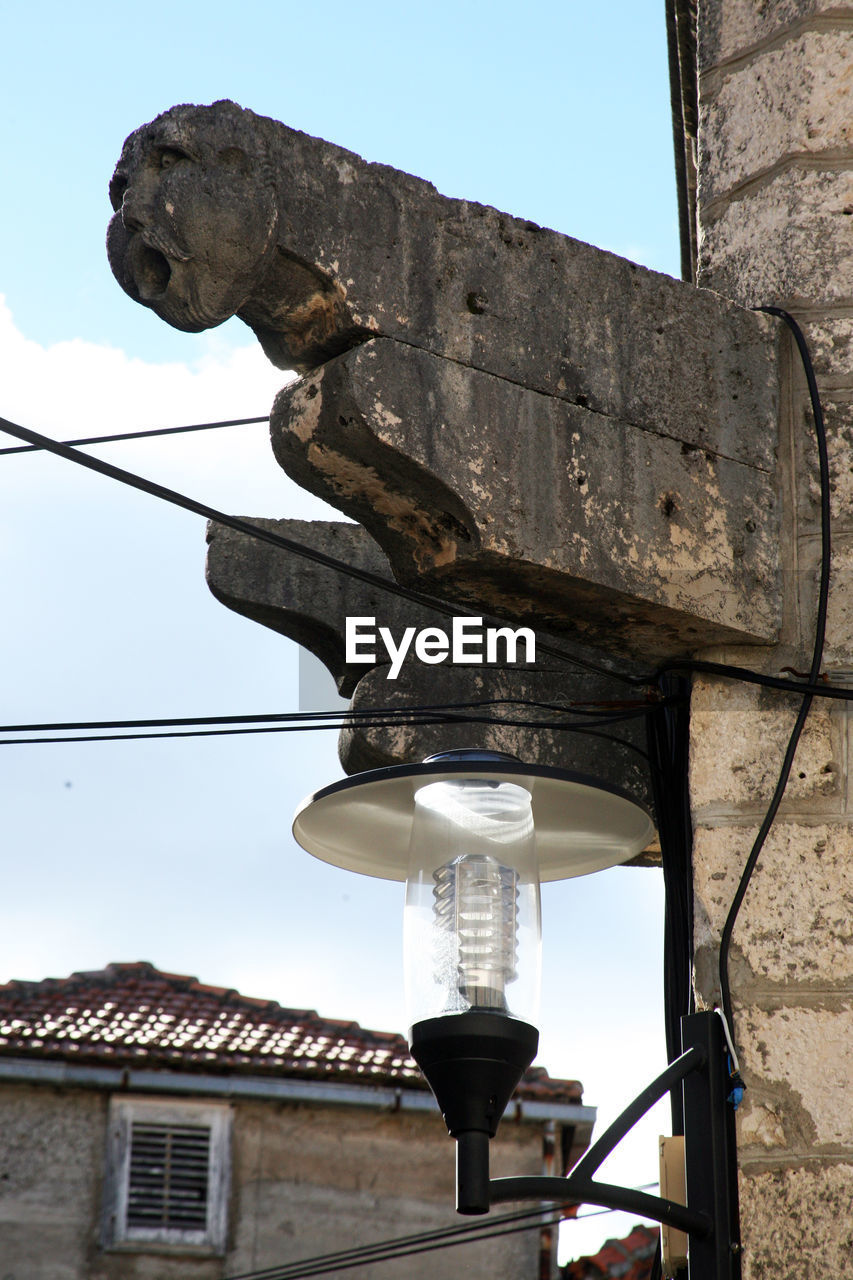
168 1184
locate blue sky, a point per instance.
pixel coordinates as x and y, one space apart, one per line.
179 852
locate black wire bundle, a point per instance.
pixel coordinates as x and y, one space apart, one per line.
668 738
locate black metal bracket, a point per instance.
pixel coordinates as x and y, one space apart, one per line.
710 1217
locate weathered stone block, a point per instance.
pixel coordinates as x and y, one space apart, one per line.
760 1124
838 418
790 240
796 1223
793 100
838 650
796 921
310 604
803 1057
634 536
830 341
731 29
739 734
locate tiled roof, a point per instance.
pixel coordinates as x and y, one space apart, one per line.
628 1259
132 1015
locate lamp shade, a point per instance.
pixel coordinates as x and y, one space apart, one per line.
364 823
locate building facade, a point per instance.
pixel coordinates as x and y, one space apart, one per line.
151 1126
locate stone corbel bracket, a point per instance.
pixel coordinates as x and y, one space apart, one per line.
300 599
525 505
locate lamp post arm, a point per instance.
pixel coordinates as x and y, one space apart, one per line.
711 1216
692 1060
576 1190
579 1187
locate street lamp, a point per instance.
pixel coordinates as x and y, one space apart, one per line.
473 833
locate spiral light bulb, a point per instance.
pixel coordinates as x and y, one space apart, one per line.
476 903
472 900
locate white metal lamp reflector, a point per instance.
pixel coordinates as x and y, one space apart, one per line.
364 823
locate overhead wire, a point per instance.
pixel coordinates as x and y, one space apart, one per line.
406 1246
420 1242
300 722
139 435
375 580
630 710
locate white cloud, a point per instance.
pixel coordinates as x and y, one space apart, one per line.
83 384
79 388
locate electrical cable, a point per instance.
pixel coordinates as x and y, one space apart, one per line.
815 688
374 580
342 720
139 435
440 1237
814 671
631 711
403 1246
338 725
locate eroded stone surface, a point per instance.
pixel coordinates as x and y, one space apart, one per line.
793 100
303 600
310 604
634 534
509 693
838 418
796 921
740 733
730 29
838 650
760 1124
788 241
796 1223
808 1051
830 341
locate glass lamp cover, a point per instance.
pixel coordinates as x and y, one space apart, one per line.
472 931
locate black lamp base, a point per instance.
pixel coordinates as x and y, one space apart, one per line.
473 1062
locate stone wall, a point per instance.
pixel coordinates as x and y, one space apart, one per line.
305 1180
775 203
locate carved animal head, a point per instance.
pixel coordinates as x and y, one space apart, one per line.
195 236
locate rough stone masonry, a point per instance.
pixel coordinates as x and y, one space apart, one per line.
774 216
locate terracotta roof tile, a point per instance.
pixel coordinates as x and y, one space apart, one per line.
628 1259
133 1015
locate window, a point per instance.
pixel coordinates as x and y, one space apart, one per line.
167 1175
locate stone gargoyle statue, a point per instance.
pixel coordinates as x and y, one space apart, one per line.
200 234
